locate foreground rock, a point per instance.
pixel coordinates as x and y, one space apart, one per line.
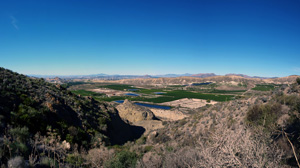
134 113
169 115
189 103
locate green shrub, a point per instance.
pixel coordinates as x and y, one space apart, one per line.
20 134
293 101
47 162
98 139
298 81
264 115
124 159
147 148
18 140
75 160
141 140
169 148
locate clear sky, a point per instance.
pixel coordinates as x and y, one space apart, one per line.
77 37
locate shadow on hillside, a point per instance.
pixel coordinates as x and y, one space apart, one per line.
120 132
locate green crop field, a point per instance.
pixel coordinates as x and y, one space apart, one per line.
114 98
118 87
176 86
86 93
169 95
76 83
227 91
172 95
127 87
150 91
263 87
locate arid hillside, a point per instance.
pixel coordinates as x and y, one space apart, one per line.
258 131
46 125
190 80
35 113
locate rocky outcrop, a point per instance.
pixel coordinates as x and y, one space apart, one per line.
133 113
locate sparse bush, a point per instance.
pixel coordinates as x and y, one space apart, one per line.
98 156
169 148
75 159
264 115
147 149
47 162
15 142
142 140
161 138
226 148
20 134
98 140
124 159
182 122
150 160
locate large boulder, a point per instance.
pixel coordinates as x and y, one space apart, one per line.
133 113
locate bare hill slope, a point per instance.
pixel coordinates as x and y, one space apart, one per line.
189 80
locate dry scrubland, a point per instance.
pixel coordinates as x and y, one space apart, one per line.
260 128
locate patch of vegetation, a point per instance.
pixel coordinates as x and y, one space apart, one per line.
171 96
128 87
86 93
123 159
176 86
113 98
242 85
150 91
118 87
263 87
298 81
35 113
69 84
227 91
264 115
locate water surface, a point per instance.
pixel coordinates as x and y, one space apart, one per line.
131 94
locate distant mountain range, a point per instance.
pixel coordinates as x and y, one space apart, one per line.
117 77
246 76
203 75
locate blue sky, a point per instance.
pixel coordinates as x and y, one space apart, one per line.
76 37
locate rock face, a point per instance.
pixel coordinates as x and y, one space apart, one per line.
133 113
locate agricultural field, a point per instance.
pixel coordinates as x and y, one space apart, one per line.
227 91
164 94
118 87
264 87
86 93
156 95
